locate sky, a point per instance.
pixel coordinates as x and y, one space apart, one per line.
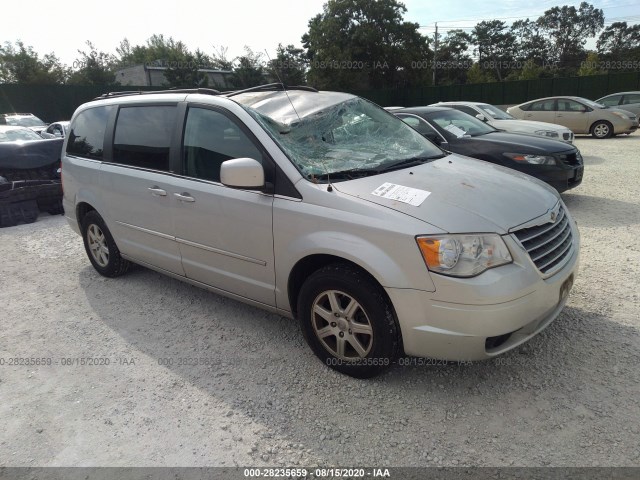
63 28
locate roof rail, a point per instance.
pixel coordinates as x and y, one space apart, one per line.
271 87
204 91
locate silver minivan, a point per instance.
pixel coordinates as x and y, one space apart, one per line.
321 206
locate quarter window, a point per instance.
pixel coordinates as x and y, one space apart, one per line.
86 136
210 138
417 124
143 136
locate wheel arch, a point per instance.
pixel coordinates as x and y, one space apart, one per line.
82 208
311 263
593 124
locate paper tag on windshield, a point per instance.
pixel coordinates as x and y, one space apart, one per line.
412 196
458 132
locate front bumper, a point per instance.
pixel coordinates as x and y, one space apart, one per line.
628 127
563 179
481 317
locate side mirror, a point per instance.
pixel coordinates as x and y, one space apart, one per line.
244 173
481 117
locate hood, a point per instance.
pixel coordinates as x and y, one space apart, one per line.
466 195
522 143
528 125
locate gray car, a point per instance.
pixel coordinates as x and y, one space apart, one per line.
629 101
321 206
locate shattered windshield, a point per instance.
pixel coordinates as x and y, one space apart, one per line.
352 135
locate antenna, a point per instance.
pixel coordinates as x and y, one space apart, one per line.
284 88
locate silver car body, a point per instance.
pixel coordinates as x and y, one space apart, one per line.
629 101
263 238
504 121
56 130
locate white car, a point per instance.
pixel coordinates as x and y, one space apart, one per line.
503 121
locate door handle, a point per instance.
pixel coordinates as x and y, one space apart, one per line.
157 191
185 197
559 115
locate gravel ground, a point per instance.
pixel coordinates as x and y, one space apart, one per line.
567 398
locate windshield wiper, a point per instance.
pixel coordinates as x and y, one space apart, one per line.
410 162
346 174
364 172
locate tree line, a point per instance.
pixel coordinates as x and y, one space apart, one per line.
363 44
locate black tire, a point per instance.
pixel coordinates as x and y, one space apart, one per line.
373 312
602 129
56 208
113 265
12 214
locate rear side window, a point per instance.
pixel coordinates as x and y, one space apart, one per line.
544 106
143 136
86 137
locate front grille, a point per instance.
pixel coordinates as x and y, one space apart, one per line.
548 245
570 158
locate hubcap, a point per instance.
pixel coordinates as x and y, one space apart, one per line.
98 245
601 130
341 325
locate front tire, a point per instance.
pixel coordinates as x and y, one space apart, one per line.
101 248
602 129
348 321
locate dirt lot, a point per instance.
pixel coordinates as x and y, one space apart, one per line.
567 398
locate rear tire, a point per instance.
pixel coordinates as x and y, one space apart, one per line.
348 321
602 129
101 248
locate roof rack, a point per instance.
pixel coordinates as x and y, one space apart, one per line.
204 91
271 87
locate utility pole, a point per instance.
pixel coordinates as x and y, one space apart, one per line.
435 54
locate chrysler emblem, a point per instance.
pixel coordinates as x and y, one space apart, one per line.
553 217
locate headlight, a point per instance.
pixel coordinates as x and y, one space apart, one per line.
621 115
533 159
463 255
547 133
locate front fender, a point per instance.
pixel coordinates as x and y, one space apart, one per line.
400 266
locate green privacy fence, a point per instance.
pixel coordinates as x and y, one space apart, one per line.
507 93
52 102
58 102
